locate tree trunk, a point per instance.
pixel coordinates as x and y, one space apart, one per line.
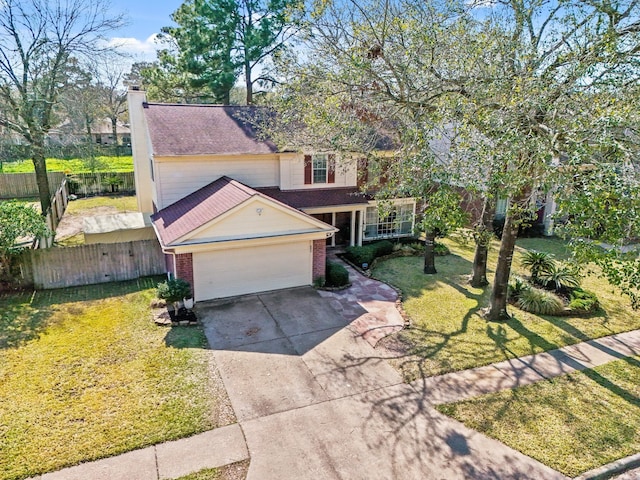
429 253
40 165
483 232
114 132
498 308
248 83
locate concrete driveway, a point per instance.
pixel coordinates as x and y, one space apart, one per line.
315 402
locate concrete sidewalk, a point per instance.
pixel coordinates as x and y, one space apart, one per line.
169 460
521 371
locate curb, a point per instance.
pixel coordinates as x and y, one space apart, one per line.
611 469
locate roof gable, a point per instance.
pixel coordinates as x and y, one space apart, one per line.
204 130
227 209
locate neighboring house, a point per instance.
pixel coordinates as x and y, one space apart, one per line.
101 134
233 214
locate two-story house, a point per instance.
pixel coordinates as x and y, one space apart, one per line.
236 215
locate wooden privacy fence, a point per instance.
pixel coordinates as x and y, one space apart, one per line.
89 264
83 184
23 185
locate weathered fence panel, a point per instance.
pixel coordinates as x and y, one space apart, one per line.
94 263
84 184
24 185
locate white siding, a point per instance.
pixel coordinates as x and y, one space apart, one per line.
249 270
177 179
293 174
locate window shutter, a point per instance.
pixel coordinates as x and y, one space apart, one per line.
331 169
308 169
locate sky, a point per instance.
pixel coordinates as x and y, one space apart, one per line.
145 18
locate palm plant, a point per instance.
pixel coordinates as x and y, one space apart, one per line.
562 276
538 263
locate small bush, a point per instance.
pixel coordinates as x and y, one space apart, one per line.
441 249
368 253
583 300
536 300
173 290
385 247
516 287
336 275
359 255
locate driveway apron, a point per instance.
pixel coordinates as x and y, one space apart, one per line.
316 402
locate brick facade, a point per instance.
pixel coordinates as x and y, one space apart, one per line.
184 269
319 258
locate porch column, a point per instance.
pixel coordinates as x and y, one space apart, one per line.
333 223
352 239
362 215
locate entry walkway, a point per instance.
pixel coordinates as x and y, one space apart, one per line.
370 306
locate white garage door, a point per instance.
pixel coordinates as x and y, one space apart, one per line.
238 271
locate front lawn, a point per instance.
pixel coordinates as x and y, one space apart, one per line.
448 332
572 423
85 374
74 165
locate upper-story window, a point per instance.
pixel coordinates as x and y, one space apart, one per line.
319 168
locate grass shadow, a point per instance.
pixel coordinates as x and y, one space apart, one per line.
26 314
186 337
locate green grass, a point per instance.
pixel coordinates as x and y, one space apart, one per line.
572 423
73 165
85 374
123 203
234 471
448 332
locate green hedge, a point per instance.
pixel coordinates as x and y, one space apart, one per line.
368 253
336 275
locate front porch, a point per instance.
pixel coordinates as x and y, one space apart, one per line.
365 223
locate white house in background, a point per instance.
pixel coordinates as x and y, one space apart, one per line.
233 214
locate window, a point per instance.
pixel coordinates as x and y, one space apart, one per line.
320 169
394 223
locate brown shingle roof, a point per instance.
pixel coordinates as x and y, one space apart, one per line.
203 130
199 208
202 206
322 197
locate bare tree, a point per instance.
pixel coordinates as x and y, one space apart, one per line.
112 92
38 39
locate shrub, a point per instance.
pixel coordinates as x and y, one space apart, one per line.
368 253
385 247
536 300
173 290
516 287
561 277
537 263
336 275
359 255
441 249
583 300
